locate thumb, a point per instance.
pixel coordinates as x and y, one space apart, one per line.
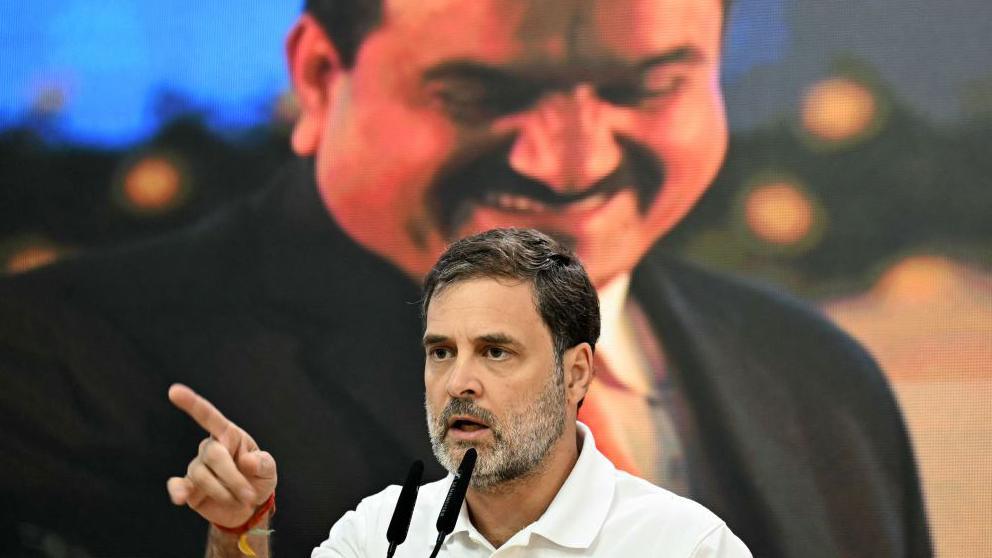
179 490
259 467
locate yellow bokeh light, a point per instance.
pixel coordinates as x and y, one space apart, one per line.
838 109
153 185
779 213
919 279
30 257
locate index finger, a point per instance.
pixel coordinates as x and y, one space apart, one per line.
201 410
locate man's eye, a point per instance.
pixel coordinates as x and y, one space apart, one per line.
440 353
474 101
653 84
464 95
661 81
497 353
468 101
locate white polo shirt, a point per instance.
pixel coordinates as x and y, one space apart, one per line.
599 511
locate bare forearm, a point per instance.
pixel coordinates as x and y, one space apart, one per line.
225 545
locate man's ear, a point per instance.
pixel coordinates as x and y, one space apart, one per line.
579 372
314 65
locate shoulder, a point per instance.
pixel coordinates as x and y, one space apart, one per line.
709 308
720 294
362 531
351 535
172 265
376 510
82 317
662 519
641 502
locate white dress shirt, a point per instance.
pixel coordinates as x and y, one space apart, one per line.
599 511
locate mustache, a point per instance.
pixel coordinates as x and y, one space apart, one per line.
467 181
465 407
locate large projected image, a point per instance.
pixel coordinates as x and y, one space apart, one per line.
782 206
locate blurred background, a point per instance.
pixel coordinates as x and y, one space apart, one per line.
859 174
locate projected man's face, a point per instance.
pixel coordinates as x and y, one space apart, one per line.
599 122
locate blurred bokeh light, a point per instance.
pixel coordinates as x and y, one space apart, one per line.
153 184
30 255
839 110
918 279
780 213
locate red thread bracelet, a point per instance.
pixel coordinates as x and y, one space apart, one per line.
269 505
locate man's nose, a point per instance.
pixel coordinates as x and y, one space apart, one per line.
566 141
463 381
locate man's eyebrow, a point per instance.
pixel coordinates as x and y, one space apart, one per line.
465 69
685 53
492 338
433 338
497 339
469 69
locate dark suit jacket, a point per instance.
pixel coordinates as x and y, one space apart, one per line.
312 345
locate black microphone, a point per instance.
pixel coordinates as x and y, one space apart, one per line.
400 523
453 502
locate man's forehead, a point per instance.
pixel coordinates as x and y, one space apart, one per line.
482 305
542 31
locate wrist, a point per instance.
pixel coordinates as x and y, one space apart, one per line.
252 544
262 514
257 526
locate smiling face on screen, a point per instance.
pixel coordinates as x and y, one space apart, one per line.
598 122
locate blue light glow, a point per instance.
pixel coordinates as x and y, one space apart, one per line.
113 61
121 67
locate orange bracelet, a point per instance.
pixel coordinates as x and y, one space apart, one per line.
266 507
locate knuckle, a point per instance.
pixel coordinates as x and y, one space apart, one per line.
267 457
214 453
200 474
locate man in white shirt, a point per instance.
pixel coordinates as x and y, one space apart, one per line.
598 511
511 322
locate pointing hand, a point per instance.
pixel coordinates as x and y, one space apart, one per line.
230 476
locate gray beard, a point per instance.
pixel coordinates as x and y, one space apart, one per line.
519 444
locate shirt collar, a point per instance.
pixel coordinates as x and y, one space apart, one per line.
464 525
612 298
577 512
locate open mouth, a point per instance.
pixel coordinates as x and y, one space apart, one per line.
512 202
466 425
523 203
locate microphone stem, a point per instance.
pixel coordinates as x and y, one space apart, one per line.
437 545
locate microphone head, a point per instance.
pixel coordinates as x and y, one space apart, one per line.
400 523
467 465
456 494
